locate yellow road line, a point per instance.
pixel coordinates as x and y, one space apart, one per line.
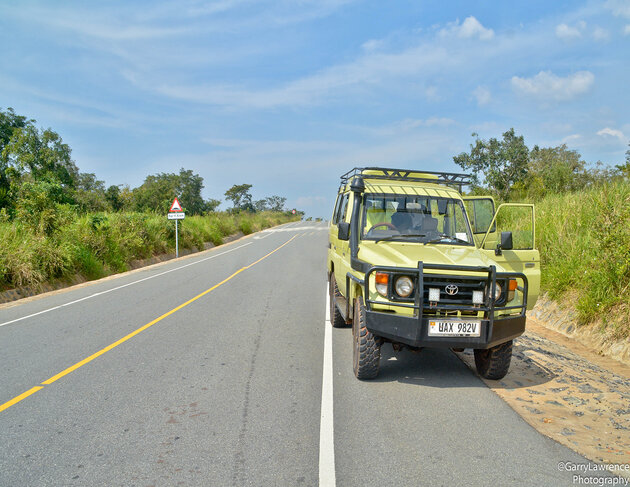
17 399
74 367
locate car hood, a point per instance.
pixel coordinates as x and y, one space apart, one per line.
406 254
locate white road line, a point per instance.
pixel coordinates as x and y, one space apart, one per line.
295 229
260 237
123 286
327 420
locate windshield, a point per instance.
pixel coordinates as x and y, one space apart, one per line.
423 219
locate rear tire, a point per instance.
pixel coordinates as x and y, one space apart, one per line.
494 362
366 352
336 320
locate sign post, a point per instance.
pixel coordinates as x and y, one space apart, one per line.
176 213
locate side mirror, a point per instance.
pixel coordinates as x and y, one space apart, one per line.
506 243
343 231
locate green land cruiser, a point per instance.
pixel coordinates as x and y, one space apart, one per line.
413 262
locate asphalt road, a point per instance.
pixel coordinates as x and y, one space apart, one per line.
230 388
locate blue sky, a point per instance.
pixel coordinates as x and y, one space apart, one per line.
287 95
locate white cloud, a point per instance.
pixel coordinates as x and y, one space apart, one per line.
470 28
439 122
483 95
563 31
372 45
621 8
571 138
406 126
372 68
548 86
626 30
600 34
612 133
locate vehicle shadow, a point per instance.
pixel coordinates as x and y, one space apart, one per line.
443 368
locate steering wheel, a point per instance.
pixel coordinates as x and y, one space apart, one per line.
383 224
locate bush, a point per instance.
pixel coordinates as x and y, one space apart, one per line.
95 245
584 243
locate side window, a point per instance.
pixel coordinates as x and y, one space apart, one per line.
334 214
480 214
344 208
520 221
340 208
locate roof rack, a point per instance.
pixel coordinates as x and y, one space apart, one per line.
447 178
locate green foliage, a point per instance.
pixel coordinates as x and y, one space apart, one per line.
158 191
98 244
90 193
503 163
42 153
41 205
624 169
271 203
240 197
56 222
584 243
555 170
114 198
212 204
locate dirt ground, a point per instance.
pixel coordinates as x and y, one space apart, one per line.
568 393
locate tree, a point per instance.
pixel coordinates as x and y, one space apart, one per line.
240 197
555 170
624 169
261 205
90 193
43 154
276 203
113 198
9 121
212 204
158 191
11 170
502 162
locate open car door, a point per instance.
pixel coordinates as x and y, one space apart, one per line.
480 210
515 249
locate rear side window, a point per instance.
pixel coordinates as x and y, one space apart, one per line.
340 210
336 210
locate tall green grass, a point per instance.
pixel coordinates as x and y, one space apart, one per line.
584 243
96 245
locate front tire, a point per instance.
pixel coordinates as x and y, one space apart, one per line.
336 319
366 352
494 362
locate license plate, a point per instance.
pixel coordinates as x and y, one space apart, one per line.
454 328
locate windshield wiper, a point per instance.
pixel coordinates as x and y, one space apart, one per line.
403 235
444 236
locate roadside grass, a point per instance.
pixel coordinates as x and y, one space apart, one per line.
584 243
99 244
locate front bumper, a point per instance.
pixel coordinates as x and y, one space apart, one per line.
414 332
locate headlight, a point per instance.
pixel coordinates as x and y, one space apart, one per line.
497 292
404 286
381 279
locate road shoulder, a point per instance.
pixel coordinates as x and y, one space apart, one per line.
569 394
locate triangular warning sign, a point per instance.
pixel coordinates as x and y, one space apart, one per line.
175 207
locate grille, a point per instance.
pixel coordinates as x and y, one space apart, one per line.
465 288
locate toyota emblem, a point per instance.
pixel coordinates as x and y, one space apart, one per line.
452 289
